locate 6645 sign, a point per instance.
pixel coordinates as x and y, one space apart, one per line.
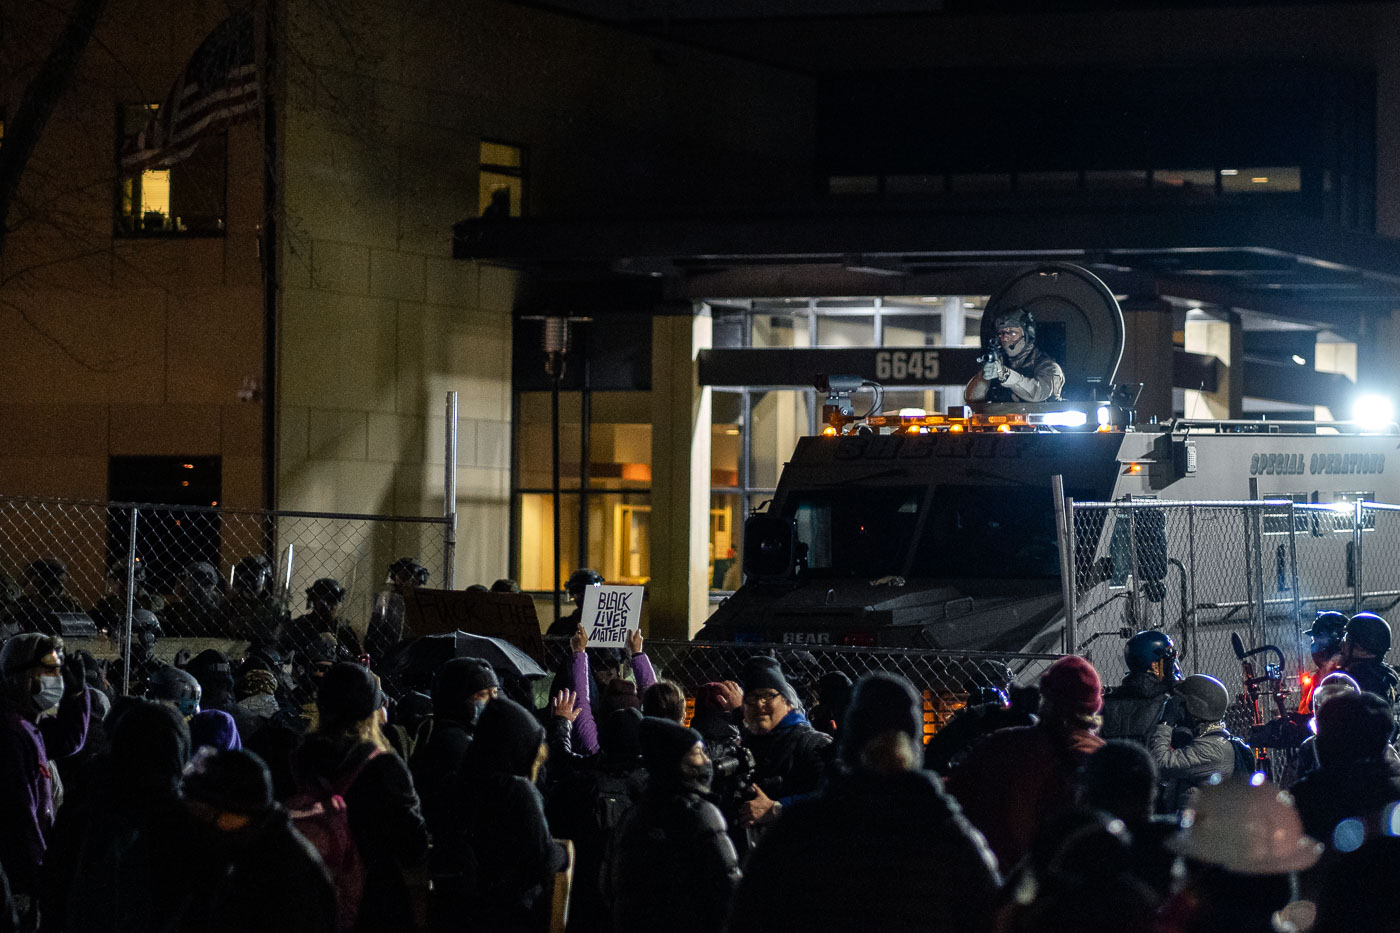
914 365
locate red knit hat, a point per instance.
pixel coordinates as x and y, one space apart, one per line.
1071 684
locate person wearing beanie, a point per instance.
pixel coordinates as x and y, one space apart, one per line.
1014 780
790 757
347 750
888 847
270 877
672 834
500 828
213 728
35 677
1354 777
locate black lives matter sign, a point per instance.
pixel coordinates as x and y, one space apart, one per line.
610 613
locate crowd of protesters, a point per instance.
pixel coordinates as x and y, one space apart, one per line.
235 794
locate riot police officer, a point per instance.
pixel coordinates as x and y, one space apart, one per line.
578 583
386 623
1135 707
1363 656
1325 645
1016 370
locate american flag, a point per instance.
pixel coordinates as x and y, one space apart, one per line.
218 87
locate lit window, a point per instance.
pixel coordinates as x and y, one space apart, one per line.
501 189
186 197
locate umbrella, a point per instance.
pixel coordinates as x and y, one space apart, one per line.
499 653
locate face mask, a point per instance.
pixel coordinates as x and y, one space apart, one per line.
260 704
50 692
698 777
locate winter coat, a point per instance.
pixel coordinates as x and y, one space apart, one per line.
1134 708
585 729
872 852
27 806
500 837
1192 765
386 822
1375 676
670 866
791 761
437 766
1333 793
951 743
1016 779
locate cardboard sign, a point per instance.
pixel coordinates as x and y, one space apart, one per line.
508 616
610 613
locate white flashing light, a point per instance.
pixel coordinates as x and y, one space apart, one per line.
1101 414
1373 411
1299 360
1066 419
912 413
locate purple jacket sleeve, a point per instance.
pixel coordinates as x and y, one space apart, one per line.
643 671
585 729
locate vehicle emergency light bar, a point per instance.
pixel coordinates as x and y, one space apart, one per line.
1047 421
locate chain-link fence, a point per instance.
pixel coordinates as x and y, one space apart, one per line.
182 577
943 677
1206 571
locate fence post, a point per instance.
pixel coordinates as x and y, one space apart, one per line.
1260 631
1293 586
1135 593
1358 589
449 494
130 599
1064 527
1191 556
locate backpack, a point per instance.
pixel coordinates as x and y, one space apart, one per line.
1245 761
613 797
322 817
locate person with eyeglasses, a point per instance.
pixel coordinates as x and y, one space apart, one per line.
790 756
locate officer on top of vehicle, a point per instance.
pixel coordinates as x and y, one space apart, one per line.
1133 709
1016 370
1363 656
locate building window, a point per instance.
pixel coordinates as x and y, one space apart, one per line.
501 190
186 198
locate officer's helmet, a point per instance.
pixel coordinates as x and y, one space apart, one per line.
582 578
410 566
1369 631
1327 631
326 589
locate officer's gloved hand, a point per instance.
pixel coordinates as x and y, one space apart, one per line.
1174 713
994 370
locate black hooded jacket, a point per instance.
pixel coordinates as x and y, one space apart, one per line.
1134 708
385 819
896 854
499 833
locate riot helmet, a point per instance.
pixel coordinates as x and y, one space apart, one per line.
1370 632
409 566
200 574
1152 652
1327 632
178 688
252 573
327 590
581 579
1206 698
118 572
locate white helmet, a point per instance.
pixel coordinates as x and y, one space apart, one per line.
1246 826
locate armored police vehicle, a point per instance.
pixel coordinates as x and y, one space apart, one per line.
946 531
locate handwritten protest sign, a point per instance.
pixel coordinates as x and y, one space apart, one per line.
609 613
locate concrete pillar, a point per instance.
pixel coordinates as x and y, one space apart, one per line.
1224 340
1147 356
679 591
954 332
